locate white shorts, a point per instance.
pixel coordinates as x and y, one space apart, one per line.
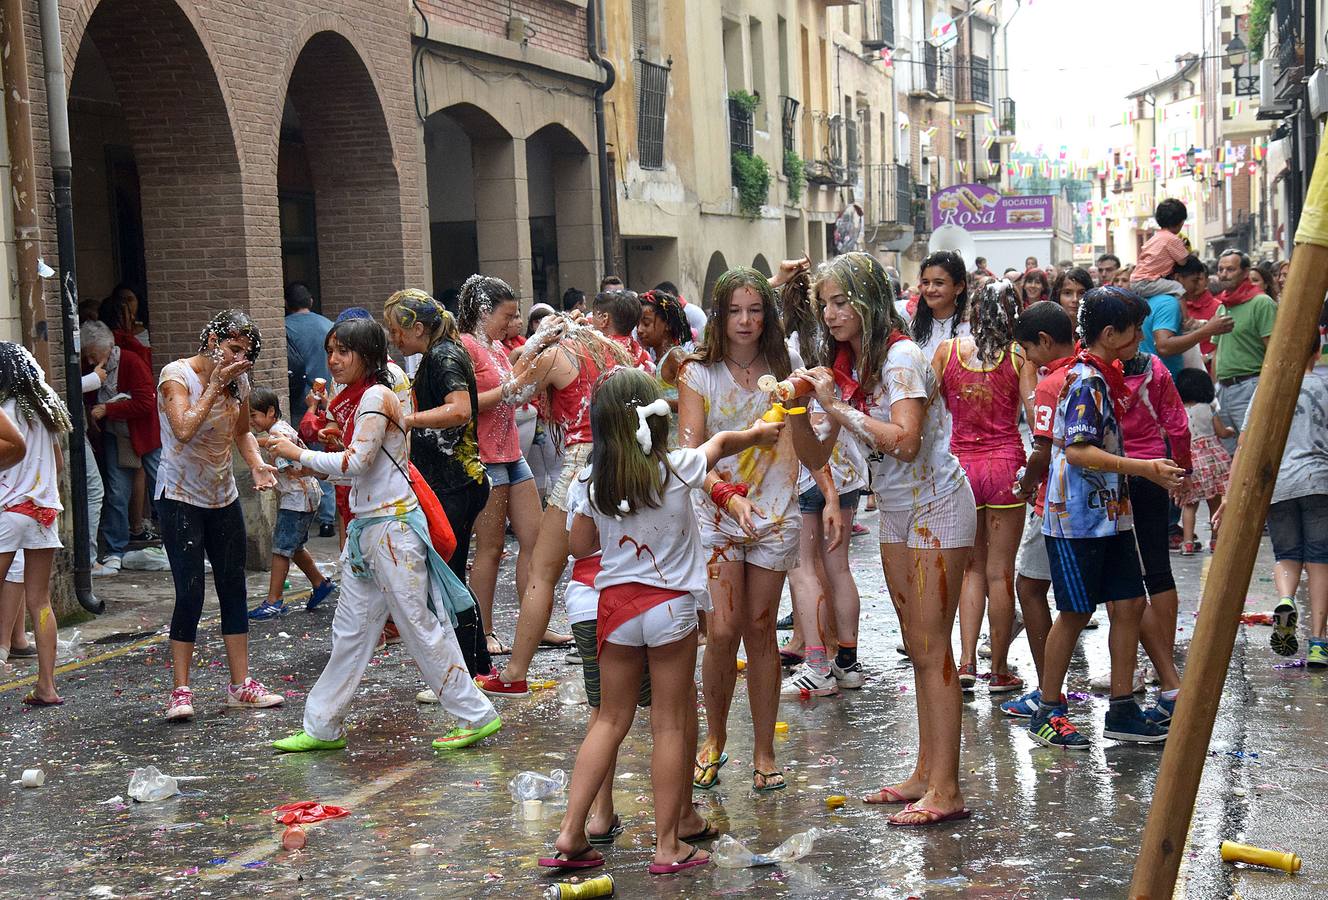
946 523
1032 561
666 623
575 458
777 549
18 532
15 573
582 602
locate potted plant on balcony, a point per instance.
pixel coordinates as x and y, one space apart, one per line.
751 176
795 172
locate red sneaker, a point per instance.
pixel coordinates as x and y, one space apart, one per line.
1004 684
494 686
390 633
1189 548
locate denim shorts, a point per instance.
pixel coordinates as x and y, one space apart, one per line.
1299 529
812 501
292 531
513 472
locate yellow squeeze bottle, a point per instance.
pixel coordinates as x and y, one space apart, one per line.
1257 856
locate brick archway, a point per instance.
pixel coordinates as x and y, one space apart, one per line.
333 106
172 108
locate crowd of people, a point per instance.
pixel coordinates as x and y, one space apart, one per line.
685 464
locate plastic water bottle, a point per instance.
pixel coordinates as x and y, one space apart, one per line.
730 853
572 692
149 785
534 786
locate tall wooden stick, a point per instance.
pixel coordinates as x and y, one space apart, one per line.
1248 496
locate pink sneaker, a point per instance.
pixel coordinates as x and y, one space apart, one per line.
252 694
181 707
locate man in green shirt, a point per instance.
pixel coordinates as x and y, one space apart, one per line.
1240 352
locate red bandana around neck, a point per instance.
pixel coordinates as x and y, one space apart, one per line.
1114 375
846 377
1242 293
344 406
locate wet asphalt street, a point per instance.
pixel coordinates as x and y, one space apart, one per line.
1045 824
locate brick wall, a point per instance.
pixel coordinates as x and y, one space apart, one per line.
559 25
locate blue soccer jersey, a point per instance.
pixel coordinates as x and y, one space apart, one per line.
1085 503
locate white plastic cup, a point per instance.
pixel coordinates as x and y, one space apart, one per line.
33 778
532 810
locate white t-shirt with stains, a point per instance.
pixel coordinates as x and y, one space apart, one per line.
296 493
199 472
34 476
658 546
935 472
771 472
375 460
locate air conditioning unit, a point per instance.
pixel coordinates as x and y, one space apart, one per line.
1316 89
1270 107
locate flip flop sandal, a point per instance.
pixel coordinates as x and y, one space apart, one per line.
609 836
556 645
930 816
1283 640
687 862
503 649
893 796
709 833
561 860
767 787
34 700
717 764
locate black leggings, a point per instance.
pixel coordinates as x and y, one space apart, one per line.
463 507
189 532
1150 504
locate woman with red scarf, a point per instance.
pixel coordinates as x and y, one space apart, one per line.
388 563
882 389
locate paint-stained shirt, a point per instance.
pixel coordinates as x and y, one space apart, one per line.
198 472
375 461
1085 503
448 458
33 477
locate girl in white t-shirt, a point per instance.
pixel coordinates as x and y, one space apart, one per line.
30 500
942 311
928 518
652 581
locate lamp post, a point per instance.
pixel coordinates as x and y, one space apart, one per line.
1244 85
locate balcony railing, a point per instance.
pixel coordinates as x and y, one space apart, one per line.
788 117
852 151
936 80
1289 21
740 128
825 149
652 91
890 195
973 80
880 22
1005 117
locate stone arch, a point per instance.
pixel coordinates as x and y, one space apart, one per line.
717 267
176 166
760 265
337 168
560 173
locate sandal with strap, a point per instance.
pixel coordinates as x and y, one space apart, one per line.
503 649
687 862
609 836
929 816
887 796
766 778
561 860
701 770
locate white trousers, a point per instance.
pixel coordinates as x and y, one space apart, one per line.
398 584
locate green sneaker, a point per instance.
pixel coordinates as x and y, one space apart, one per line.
1284 641
1317 657
303 742
464 737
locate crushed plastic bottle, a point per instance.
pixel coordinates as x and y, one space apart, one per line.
66 649
534 786
149 785
572 692
730 853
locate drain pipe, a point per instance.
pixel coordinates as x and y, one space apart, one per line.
62 173
605 182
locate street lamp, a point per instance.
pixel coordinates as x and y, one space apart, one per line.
1245 85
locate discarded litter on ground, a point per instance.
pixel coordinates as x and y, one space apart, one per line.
730 853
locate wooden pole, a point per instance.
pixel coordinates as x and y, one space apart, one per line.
1251 488
23 181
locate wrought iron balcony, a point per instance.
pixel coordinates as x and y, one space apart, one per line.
740 128
936 79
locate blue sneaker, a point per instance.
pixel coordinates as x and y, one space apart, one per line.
1024 707
1127 722
321 593
1161 712
1054 729
266 610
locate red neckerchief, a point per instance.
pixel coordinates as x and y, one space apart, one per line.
1114 375
1242 293
344 406
1056 364
44 515
846 377
620 603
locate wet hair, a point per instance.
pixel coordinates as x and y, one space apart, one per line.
354 312
1109 306
1044 317
96 334
802 317
1195 386
572 298
263 399
1191 265
609 282
1041 278
480 296
666 306
953 265
622 307
405 308
992 320
1109 256
366 338
1269 276
298 297
619 471
232 324
771 343
1244 259
1170 213
872 297
21 380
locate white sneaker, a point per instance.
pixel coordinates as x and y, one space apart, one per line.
101 570
252 694
806 680
110 565
182 704
850 679
426 696
984 649
1102 683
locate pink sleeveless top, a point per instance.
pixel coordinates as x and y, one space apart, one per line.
570 406
984 406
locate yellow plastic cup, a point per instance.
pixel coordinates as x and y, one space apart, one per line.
1257 856
781 728
834 801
